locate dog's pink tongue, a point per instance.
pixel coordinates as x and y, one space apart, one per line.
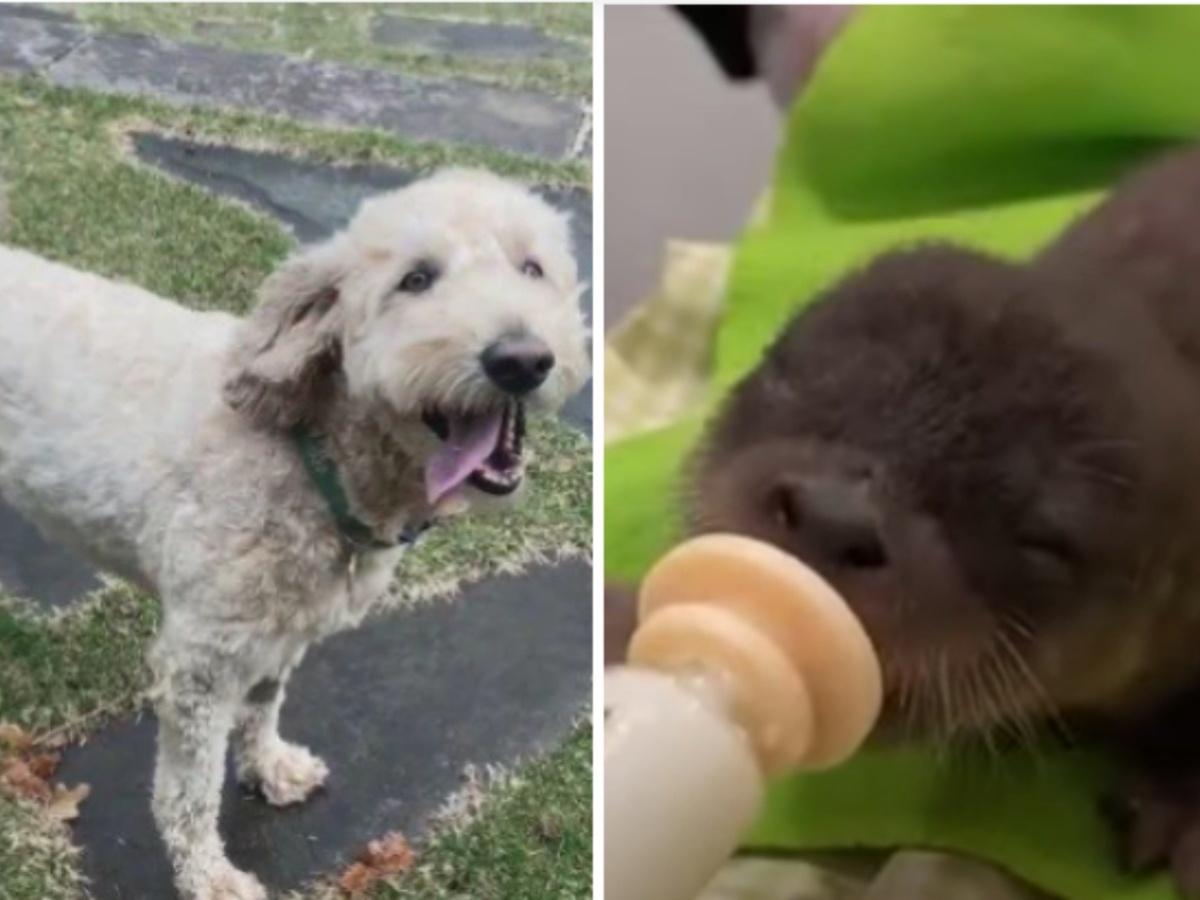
470 441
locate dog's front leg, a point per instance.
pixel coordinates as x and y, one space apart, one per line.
196 708
285 773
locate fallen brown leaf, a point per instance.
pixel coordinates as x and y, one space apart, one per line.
43 765
357 879
26 774
64 805
390 853
384 856
18 778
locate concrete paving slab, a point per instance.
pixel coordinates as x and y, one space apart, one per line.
315 199
31 11
472 40
37 569
397 708
424 109
311 199
30 44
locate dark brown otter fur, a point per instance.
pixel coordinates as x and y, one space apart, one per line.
997 465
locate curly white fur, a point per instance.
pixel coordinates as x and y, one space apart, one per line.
152 438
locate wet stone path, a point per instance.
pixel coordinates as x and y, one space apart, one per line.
397 709
70 54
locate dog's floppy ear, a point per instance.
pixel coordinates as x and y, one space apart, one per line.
288 348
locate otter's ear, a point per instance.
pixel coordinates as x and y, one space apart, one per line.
287 350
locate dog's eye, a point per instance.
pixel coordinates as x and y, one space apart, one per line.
419 279
532 268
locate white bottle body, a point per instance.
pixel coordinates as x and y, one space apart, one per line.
682 784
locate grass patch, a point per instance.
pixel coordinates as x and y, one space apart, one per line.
37 862
61 671
532 838
343 33
569 20
74 196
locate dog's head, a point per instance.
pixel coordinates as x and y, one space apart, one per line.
451 303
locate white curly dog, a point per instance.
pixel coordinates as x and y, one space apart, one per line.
263 476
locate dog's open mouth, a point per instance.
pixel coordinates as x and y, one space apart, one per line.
479 449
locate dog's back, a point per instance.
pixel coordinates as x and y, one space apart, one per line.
80 359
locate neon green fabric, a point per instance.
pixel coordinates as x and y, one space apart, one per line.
992 127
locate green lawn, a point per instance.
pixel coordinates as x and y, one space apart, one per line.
534 841
342 33
77 195
37 862
72 670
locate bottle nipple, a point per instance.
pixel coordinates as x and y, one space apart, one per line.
745 664
805 680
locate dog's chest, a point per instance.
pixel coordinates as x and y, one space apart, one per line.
355 586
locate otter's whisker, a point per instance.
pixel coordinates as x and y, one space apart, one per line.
1016 718
1044 702
945 698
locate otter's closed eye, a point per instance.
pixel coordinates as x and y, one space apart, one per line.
1049 551
419 278
532 268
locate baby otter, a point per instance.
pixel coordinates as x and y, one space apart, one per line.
996 464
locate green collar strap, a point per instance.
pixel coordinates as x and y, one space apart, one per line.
324 475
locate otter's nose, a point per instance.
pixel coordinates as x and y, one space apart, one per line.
517 364
833 518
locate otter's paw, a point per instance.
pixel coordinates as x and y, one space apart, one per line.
1158 821
285 773
221 881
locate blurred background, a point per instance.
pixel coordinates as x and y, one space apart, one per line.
687 152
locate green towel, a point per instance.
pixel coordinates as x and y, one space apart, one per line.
993 127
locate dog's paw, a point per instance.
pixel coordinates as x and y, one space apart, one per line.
285 773
222 881
1158 821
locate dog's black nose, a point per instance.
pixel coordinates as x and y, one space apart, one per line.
518 364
